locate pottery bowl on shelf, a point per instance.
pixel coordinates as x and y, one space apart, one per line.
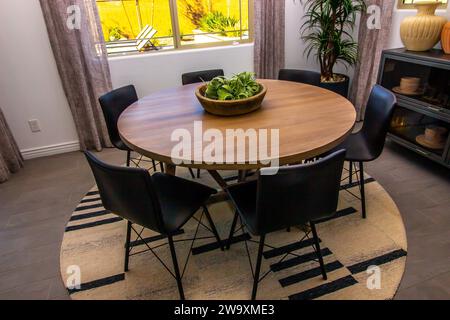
229 108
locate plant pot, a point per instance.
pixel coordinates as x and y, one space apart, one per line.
423 31
338 87
445 38
229 108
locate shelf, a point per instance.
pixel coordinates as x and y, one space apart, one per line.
417 106
411 133
434 55
417 149
413 115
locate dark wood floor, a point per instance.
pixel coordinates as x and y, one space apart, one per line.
36 203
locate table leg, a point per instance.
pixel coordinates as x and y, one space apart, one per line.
218 178
242 175
171 169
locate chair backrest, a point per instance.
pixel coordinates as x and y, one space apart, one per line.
113 104
379 111
302 76
201 76
298 194
128 192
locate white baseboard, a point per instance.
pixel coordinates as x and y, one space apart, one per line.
50 150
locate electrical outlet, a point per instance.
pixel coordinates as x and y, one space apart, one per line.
35 126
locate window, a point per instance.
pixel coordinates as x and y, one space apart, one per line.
409 4
131 26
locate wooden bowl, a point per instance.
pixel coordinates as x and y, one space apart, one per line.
229 108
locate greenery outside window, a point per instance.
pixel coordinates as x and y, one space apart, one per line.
132 26
409 4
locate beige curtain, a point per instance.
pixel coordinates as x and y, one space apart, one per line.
371 44
269 37
10 158
77 41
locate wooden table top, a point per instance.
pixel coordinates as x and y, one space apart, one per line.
310 121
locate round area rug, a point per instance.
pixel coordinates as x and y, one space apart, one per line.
365 259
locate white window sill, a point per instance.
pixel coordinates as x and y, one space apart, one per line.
145 55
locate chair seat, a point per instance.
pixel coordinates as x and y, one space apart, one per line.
179 199
243 196
357 149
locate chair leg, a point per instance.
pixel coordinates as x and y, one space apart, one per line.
176 268
258 266
198 173
161 165
213 227
154 165
233 228
127 246
318 251
128 158
350 171
192 173
363 192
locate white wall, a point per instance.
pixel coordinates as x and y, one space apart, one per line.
153 72
295 47
30 86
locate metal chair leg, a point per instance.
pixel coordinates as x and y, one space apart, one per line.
350 171
154 165
176 268
318 251
213 227
258 266
161 165
363 193
198 173
128 158
192 173
127 246
233 228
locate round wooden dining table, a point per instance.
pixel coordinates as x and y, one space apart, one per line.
310 121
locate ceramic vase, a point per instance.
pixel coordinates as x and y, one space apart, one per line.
445 38
423 31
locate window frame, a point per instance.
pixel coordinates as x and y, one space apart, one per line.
176 35
402 6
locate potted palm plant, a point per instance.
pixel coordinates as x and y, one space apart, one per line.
327 33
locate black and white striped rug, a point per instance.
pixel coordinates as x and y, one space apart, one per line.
365 259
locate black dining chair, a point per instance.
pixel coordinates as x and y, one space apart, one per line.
302 76
161 203
201 76
367 144
197 77
113 105
296 195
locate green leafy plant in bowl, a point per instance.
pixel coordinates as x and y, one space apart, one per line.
233 96
240 86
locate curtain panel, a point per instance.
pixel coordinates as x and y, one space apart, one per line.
269 34
371 44
77 41
10 158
